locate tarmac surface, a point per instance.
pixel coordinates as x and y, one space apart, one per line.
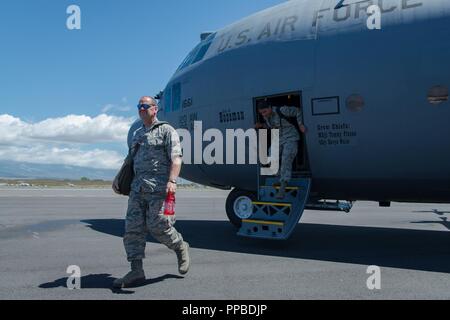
42 232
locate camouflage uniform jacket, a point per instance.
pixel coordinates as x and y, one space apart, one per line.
288 133
159 144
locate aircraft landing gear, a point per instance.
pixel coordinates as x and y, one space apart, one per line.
239 206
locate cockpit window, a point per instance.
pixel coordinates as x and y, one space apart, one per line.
187 61
201 52
198 53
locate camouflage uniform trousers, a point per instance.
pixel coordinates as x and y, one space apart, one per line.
288 152
144 215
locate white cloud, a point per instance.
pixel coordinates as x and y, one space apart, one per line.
45 154
71 128
60 140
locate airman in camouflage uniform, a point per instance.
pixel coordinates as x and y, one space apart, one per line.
158 148
289 138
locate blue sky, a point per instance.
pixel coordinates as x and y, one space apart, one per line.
124 50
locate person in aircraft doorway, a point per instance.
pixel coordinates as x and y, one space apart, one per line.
289 121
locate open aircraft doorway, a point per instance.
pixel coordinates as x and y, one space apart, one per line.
293 100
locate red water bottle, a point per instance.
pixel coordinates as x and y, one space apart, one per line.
169 204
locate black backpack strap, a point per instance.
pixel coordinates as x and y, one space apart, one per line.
160 123
135 150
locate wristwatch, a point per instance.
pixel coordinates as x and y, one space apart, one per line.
173 181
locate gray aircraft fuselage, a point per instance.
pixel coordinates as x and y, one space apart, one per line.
375 102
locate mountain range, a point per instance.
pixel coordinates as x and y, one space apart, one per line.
22 170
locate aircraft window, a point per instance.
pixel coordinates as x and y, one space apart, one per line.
437 95
176 96
204 48
187 61
167 99
355 103
198 53
201 53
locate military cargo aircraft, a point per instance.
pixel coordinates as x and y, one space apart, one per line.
375 102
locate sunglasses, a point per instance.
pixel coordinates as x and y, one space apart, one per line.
145 106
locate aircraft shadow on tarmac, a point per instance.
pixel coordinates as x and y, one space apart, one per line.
103 281
385 247
444 220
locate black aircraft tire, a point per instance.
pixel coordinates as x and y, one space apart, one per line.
235 198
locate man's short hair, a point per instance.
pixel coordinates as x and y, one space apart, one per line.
263 104
153 100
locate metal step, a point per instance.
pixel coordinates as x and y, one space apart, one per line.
262 229
268 194
273 218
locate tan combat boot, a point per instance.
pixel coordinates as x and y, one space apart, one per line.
282 191
133 278
183 258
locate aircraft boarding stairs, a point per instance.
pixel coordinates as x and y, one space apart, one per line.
276 218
